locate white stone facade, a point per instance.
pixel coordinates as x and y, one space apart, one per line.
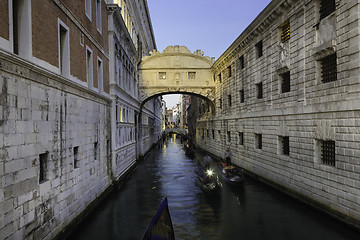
309 115
43 115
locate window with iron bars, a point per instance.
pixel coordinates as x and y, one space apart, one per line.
326 8
328 152
285 146
259 90
285 31
285 82
329 68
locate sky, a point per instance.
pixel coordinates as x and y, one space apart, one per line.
209 25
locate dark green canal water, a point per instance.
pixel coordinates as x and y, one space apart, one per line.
253 211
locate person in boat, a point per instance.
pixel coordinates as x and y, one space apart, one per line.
207 161
228 157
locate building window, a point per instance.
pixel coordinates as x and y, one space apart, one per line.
229 71
229 100
329 68
76 157
259 49
326 8
191 75
220 103
162 75
242 62
96 150
285 82
285 31
89 67
328 152
21 28
228 136
219 77
203 134
100 74
88 9
242 95
284 145
64 49
241 138
43 158
207 133
98 16
213 134
259 90
258 141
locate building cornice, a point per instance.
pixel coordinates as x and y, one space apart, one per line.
272 11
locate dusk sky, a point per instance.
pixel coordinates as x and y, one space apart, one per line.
209 25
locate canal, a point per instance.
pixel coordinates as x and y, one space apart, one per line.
253 211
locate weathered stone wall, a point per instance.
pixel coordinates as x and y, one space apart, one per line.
42 114
311 112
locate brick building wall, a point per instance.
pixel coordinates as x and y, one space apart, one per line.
308 115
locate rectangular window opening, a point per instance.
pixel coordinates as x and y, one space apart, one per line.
191 75
241 138
43 158
96 150
258 141
285 82
88 9
285 31
285 145
326 8
89 68
328 152
259 49
259 90
229 71
242 96
100 75
229 100
162 75
98 16
76 157
228 136
242 62
329 68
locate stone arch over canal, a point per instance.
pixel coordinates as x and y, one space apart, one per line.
176 71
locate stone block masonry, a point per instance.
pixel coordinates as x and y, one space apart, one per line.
48 171
304 139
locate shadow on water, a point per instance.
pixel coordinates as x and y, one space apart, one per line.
251 211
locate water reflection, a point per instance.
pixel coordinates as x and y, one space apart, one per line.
253 211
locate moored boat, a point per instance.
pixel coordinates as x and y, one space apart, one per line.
232 174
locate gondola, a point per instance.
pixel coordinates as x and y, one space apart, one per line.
208 180
161 227
232 174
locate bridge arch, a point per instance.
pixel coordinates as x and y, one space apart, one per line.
176 70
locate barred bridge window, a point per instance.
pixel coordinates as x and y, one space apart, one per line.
285 31
328 152
329 68
326 8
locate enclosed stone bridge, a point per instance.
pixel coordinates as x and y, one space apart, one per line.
176 130
177 70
